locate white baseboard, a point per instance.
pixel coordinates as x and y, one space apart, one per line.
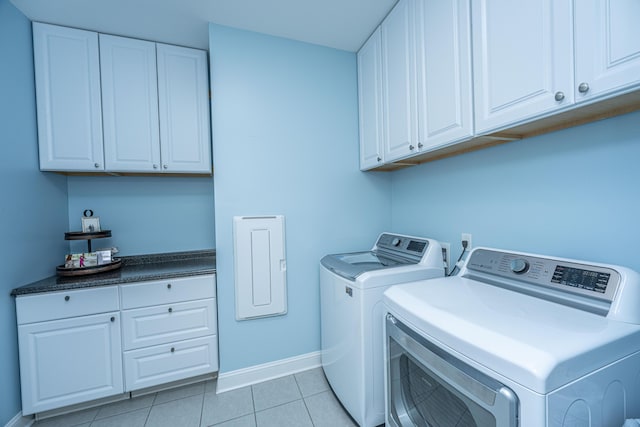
267 371
20 421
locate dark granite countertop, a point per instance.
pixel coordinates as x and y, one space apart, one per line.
134 269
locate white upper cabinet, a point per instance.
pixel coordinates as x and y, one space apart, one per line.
522 60
183 90
370 102
129 104
67 77
607 40
443 65
398 82
149 100
424 50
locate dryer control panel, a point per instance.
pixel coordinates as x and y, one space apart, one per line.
572 283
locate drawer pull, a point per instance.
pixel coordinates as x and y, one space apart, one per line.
173 349
67 298
169 286
113 318
170 310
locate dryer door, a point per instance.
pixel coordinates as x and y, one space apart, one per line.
429 387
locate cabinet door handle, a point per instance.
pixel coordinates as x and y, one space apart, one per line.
96 165
170 310
155 166
583 87
379 159
420 145
411 147
168 285
173 349
165 166
559 96
113 318
67 297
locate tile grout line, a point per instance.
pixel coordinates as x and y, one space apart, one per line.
304 401
204 391
146 420
253 405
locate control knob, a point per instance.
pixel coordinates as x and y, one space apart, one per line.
519 265
396 242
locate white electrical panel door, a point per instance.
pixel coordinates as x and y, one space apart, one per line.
260 266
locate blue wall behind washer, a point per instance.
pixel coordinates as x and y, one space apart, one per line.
285 141
574 193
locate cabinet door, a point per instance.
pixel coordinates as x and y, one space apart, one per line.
522 59
370 102
69 361
129 104
398 88
607 39
67 78
443 58
183 90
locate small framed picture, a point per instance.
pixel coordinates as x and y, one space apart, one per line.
90 224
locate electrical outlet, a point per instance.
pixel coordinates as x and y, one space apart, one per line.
446 256
467 237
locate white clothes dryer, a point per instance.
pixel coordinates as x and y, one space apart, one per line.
515 339
352 316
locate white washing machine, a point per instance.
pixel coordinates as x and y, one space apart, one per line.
515 340
352 316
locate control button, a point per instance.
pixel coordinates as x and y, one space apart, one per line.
519 265
396 242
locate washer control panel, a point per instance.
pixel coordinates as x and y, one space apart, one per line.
404 246
562 275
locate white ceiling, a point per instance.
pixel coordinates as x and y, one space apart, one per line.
341 24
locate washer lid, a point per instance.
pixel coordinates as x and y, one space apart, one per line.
351 265
539 344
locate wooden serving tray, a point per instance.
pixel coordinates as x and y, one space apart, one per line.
83 271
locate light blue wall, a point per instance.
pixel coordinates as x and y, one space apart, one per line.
285 141
33 212
145 214
572 193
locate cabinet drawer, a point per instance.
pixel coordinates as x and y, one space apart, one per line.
64 304
144 327
171 362
168 291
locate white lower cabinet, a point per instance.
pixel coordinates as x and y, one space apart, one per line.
86 344
64 361
169 330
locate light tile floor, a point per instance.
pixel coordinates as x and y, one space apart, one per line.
299 400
